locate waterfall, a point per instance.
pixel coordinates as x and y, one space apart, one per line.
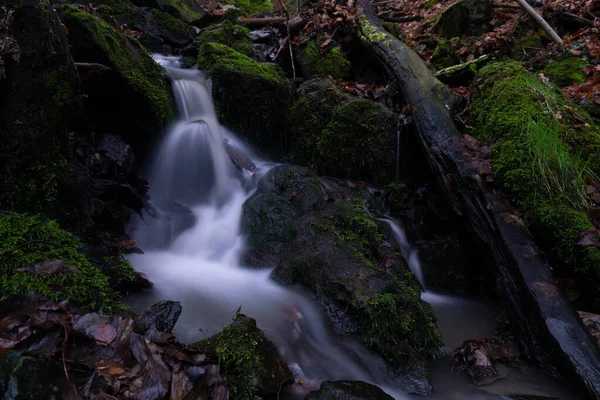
200 266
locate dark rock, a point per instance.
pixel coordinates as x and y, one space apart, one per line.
474 358
161 316
124 194
133 99
38 86
348 390
443 263
251 361
319 235
30 377
465 18
187 11
444 55
118 151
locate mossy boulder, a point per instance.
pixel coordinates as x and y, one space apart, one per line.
235 36
567 71
540 158
329 124
465 18
38 256
25 376
251 362
38 103
158 28
134 99
526 45
188 11
251 98
443 56
333 63
348 390
250 7
318 234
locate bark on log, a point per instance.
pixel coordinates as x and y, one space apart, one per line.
550 329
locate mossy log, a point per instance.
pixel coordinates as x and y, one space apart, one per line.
550 330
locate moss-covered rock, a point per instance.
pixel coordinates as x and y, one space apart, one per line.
250 361
327 126
465 18
158 28
38 256
526 45
540 158
235 36
567 71
136 90
443 56
188 11
332 63
38 107
320 236
252 98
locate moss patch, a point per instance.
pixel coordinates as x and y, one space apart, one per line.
29 240
333 63
526 45
567 71
95 40
250 7
540 158
252 98
235 36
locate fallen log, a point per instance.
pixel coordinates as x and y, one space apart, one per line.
551 332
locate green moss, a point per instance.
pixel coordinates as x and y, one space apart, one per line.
124 55
252 98
443 55
539 157
567 71
368 124
250 7
28 240
186 10
371 33
235 36
400 326
63 92
333 63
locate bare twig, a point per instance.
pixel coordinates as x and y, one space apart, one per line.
577 18
287 29
540 21
64 348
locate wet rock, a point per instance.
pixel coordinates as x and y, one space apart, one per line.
327 123
592 323
30 377
240 159
465 18
161 316
251 98
250 360
115 149
348 390
38 105
319 235
473 357
133 99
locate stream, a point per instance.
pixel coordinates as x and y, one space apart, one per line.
195 257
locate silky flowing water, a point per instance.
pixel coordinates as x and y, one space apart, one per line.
194 257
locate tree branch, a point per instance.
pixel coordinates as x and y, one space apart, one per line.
540 21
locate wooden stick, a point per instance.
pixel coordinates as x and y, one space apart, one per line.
540 21
289 37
